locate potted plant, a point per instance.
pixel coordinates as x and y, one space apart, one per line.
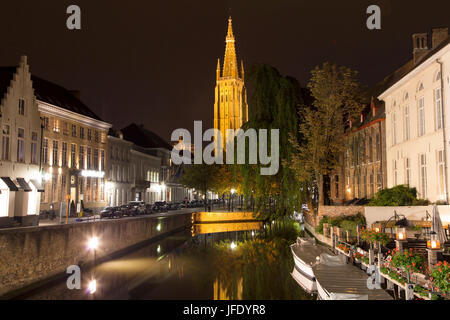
440 277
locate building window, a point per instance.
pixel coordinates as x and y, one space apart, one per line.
370 149
423 176
438 107
394 128
55 153
408 171
407 123
95 160
34 152
89 134
421 113
20 145
5 142
81 133
46 122
395 172
73 150
22 107
63 186
96 136
65 127
74 131
55 125
102 189
371 184
441 169
45 151
64 154
377 147
81 158
102 160
336 181
88 158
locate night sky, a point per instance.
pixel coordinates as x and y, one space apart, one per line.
154 62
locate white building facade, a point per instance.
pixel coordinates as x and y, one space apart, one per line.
20 182
418 119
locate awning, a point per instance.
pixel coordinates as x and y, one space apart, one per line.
11 185
37 185
24 185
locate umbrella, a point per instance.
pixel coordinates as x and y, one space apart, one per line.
436 225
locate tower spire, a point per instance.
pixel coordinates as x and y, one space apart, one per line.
230 68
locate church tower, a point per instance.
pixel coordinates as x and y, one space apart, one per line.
230 106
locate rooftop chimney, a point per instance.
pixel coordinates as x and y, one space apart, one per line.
420 46
438 35
75 93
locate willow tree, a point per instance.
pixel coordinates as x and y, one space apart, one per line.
337 99
273 106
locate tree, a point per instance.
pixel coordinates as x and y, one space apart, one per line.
201 177
273 106
337 99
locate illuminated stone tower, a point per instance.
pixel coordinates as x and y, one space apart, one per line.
230 106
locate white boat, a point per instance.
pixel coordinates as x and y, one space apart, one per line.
337 280
305 253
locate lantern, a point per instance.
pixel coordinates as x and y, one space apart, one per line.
400 234
433 243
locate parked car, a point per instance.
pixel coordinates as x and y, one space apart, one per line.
148 208
111 212
127 210
161 206
137 206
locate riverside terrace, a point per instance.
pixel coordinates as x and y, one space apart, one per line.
407 267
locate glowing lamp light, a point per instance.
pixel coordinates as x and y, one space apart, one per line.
158 227
233 191
59 170
92 287
400 234
158 250
434 242
253 233
349 190
232 245
93 243
93 173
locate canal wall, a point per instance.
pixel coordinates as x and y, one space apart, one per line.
29 255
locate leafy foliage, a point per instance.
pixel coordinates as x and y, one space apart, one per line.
374 237
337 98
273 106
400 195
440 275
408 260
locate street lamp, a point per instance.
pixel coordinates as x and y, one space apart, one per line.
433 246
232 245
232 198
93 243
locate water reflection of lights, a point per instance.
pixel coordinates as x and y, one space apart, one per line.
158 250
92 287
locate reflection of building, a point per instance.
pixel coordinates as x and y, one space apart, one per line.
230 106
20 185
74 148
417 112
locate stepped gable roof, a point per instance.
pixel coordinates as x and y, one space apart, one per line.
6 75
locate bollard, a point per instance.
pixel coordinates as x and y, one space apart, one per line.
326 229
339 234
358 230
399 245
371 254
333 240
432 257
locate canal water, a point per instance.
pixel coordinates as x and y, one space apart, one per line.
186 265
